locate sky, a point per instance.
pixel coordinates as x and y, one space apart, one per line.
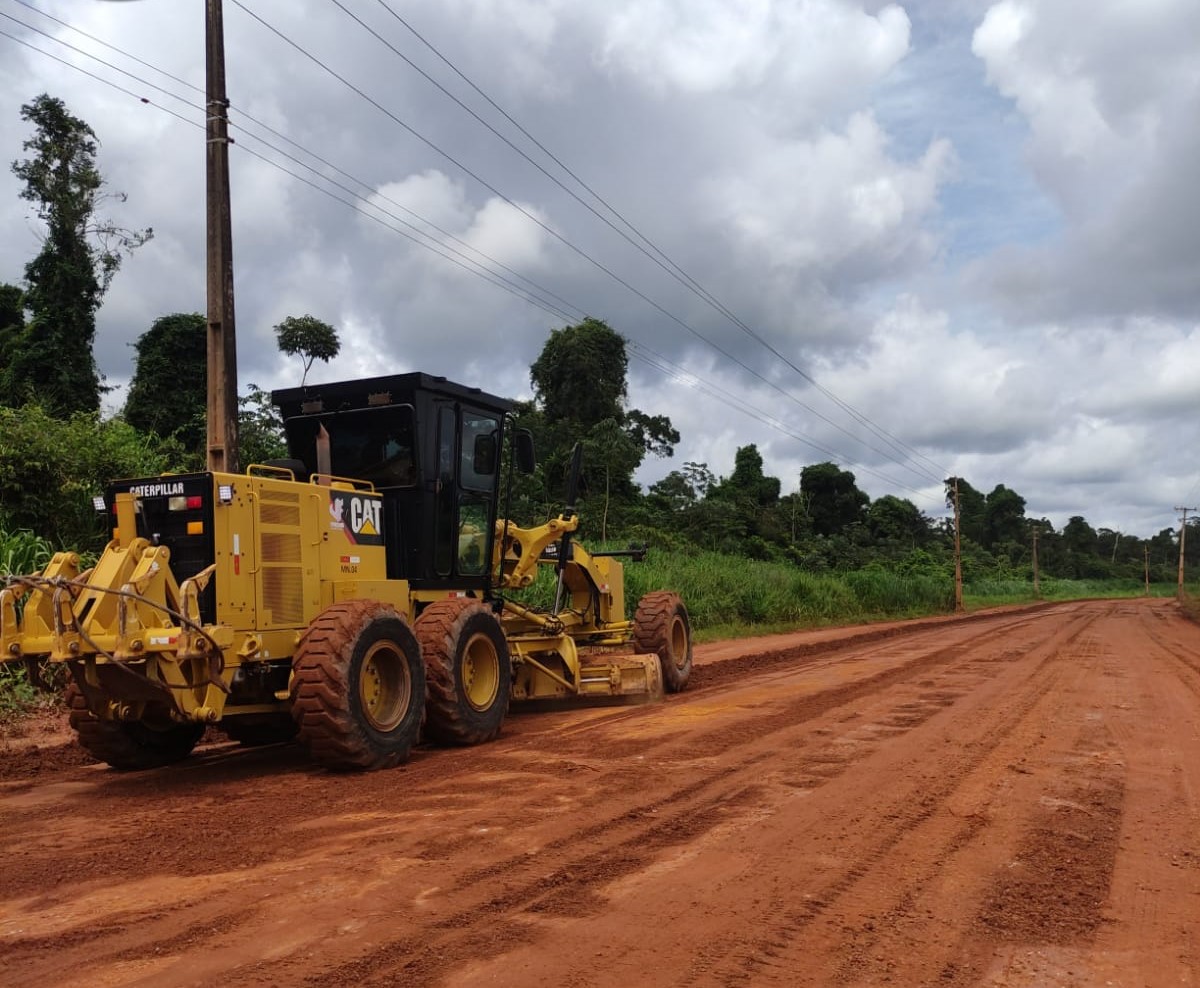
947 237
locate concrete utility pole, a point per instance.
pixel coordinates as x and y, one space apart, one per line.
958 596
1146 554
1182 540
222 339
1037 590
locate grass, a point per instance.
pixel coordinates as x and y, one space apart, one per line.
730 596
23 552
991 593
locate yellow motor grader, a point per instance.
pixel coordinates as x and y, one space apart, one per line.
353 596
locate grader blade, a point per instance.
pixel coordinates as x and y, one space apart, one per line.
628 678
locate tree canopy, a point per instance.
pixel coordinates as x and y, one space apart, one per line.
167 395
50 358
309 338
834 500
579 377
580 391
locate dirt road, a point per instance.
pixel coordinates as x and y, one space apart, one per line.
1009 800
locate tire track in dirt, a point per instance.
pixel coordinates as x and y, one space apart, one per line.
894 817
626 843
534 846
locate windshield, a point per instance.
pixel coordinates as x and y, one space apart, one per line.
374 444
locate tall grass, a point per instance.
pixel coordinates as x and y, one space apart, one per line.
990 592
23 552
732 595
728 594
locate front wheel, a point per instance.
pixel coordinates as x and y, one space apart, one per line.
129 746
661 626
468 669
358 687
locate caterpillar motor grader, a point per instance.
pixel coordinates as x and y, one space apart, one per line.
353 596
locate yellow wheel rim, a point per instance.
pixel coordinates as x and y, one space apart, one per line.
384 686
480 671
679 642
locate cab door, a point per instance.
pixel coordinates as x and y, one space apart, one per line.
466 472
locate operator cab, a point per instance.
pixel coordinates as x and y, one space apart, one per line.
431 447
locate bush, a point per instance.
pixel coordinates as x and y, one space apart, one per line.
50 469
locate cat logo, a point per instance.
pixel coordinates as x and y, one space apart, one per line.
358 515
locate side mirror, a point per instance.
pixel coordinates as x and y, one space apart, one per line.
483 456
523 451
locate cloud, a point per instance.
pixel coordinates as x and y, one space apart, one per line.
809 58
976 222
1109 91
837 205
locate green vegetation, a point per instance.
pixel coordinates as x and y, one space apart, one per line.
48 358
308 338
51 468
23 552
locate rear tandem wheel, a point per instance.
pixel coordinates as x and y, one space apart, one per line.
468 669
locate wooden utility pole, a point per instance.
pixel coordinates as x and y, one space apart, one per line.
222 339
1146 554
958 596
1182 541
1037 590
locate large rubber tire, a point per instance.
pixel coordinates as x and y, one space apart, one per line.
129 746
661 626
358 687
258 729
468 671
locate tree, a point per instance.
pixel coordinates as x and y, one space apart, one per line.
752 498
168 393
1081 544
51 358
654 434
12 323
260 429
309 338
833 498
897 522
580 391
610 448
579 377
1003 517
972 509
748 477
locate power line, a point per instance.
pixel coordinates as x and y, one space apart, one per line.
662 259
92 37
915 468
107 82
264 126
654 359
462 260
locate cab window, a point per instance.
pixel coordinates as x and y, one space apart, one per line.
480 454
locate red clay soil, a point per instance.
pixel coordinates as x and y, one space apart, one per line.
1006 800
